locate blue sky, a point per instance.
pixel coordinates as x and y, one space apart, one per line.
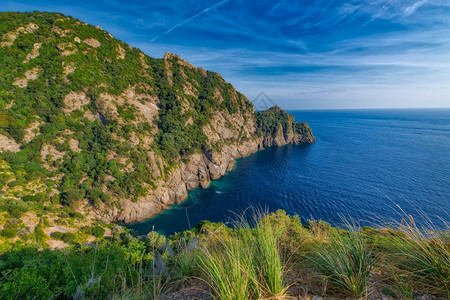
302 54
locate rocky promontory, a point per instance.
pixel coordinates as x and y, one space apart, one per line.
198 172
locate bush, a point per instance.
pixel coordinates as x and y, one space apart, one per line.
69 238
39 233
16 208
57 235
98 231
33 198
86 230
9 232
66 237
70 197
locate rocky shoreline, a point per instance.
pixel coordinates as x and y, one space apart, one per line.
200 169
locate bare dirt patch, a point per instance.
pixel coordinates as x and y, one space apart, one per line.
66 48
61 32
90 115
69 68
30 220
50 153
34 53
74 101
20 82
92 42
120 52
143 62
31 132
74 145
9 37
7 144
56 244
33 74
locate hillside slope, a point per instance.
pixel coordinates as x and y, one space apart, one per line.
89 123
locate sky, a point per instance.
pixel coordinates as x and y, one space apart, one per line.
306 54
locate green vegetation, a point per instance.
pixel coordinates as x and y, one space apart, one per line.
276 257
246 263
346 262
174 137
69 98
423 257
271 120
86 121
43 101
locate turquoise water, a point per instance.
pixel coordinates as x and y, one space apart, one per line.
365 165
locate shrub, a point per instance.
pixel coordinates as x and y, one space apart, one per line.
57 235
9 232
269 264
98 231
69 238
86 230
186 265
71 196
33 198
39 233
155 241
16 208
228 269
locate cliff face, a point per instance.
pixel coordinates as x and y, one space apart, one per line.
90 123
211 165
198 172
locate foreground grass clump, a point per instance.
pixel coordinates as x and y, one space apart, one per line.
247 263
346 262
272 257
424 258
228 269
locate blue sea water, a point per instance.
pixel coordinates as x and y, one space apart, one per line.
370 166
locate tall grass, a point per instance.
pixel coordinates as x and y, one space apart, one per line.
423 258
267 260
185 262
249 261
345 262
152 281
246 264
227 268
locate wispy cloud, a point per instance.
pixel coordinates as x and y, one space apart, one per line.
301 53
409 10
189 19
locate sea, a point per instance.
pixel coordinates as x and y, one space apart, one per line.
368 167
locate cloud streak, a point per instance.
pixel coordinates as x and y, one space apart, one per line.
189 19
412 9
304 54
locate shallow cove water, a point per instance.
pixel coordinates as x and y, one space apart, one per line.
364 166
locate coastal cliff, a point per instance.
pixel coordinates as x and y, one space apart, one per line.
198 172
90 124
